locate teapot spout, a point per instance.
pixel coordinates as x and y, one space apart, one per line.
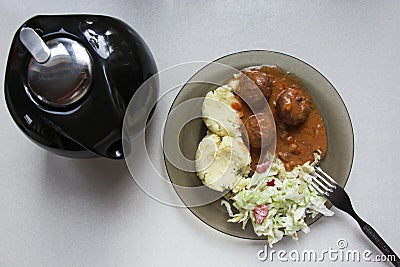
115 150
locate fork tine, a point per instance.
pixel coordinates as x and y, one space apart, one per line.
316 187
320 171
320 184
324 180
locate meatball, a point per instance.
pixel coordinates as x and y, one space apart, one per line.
261 80
293 106
260 130
254 88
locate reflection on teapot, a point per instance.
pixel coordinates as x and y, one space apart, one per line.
69 80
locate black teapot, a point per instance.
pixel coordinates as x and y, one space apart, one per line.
69 80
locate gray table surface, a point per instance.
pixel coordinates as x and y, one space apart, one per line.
56 211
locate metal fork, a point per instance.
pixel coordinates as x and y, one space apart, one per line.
326 186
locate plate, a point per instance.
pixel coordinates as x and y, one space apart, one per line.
340 139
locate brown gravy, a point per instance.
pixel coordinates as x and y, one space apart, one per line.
296 144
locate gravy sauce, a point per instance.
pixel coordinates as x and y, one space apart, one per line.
296 144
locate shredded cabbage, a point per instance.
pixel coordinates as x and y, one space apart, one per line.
288 198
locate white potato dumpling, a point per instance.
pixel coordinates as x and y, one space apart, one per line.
221 162
218 114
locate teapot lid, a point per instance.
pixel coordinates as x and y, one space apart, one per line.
60 71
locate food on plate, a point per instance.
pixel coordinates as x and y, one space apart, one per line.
277 203
262 81
260 130
221 162
293 106
274 194
218 115
295 144
248 93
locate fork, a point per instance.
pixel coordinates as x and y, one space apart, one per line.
327 187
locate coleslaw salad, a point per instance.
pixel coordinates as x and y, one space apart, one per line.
277 202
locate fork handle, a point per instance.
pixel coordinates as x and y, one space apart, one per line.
380 243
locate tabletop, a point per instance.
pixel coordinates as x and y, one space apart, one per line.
57 211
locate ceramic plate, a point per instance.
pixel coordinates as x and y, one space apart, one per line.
339 155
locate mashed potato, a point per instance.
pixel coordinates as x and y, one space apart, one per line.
221 162
218 114
222 159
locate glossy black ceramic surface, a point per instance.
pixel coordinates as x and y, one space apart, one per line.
91 126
